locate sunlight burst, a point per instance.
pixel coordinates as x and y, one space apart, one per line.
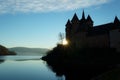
65 42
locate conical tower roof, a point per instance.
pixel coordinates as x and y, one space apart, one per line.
68 22
75 18
116 20
83 15
89 18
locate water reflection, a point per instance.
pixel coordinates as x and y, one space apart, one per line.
1 61
30 69
75 71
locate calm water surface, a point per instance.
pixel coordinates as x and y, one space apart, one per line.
25 68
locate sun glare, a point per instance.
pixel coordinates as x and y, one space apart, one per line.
65 42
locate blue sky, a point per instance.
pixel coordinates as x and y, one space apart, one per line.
37 23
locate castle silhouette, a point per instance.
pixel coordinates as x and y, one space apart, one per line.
81 33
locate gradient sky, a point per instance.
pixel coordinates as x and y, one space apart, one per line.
37 23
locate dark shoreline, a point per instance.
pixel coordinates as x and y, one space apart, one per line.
84 64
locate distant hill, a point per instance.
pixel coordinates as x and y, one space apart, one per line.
5 51
29 51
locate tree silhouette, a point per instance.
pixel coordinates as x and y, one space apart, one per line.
61 37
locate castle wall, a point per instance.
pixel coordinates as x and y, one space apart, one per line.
115 39
81 40
100 41
78 39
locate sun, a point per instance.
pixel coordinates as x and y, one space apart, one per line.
65 42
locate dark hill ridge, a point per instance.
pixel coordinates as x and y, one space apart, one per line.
5 51
29 51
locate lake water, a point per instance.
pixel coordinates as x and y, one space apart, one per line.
25 68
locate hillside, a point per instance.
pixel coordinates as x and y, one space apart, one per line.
5 51
29 51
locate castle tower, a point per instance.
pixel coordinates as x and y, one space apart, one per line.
89 22
76 29
85 24
83 15
68 30
75 19
116 21
74 23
